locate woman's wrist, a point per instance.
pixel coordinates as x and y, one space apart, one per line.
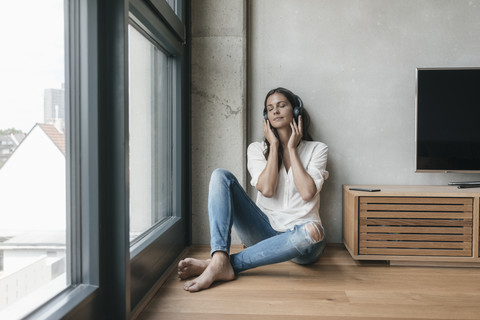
274 144
292 150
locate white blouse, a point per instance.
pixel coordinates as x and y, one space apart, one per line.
287 208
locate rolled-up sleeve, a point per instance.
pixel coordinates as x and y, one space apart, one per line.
256 161
317 165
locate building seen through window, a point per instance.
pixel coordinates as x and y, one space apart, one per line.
33 214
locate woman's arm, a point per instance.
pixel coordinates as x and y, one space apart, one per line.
303 181
268 179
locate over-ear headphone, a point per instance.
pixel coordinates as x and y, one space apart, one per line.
297 110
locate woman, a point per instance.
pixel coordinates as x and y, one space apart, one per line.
288 171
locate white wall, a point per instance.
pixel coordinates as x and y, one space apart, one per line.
353 63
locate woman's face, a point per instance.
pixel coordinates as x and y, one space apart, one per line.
279 110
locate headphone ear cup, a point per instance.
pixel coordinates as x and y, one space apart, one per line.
298 110
265 115
296 113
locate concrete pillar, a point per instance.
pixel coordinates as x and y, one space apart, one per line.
219 64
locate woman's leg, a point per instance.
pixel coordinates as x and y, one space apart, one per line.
228 204
302 245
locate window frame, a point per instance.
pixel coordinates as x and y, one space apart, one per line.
142 18
100 264
163 242
157 228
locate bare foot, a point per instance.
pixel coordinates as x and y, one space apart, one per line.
191 267
219 269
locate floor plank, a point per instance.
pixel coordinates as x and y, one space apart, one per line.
336 287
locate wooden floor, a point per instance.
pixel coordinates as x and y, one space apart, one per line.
334 288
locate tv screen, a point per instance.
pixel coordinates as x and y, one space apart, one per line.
448 120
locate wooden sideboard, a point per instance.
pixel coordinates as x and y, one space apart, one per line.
420 225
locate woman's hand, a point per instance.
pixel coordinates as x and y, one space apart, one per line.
268 132
296 135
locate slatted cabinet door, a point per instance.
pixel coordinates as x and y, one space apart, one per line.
413 226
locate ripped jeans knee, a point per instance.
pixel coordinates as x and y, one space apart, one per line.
313 251
315 229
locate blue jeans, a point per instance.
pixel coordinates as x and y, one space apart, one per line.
229 205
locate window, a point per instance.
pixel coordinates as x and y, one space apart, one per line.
150 133
33 210
92 268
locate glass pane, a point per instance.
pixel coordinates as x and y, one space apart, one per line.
172 4
150 134
32 155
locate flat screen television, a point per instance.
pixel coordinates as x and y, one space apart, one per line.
448 120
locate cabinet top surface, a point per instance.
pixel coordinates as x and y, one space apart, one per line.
418 190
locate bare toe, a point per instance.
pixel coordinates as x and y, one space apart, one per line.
191 267
219 269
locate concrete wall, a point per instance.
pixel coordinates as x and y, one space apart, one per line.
219 64
353 62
